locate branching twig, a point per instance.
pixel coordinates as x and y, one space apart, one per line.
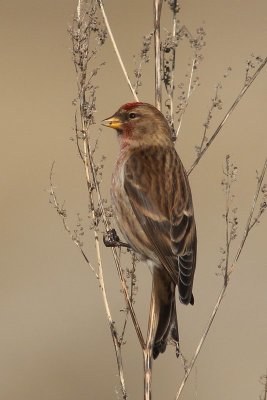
216 103
169 47
227 115
249 224
197 43
62 213
144 59
133 290
225 284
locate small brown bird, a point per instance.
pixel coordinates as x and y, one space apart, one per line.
153 206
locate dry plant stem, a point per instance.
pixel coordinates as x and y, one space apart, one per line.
99 276
131 300
79 10
158 59
249 226
227 115
226 281
147 353
64 220
189 92
202 340
116 49
171 91
227 238
128 301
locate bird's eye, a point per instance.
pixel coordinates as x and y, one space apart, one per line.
132 115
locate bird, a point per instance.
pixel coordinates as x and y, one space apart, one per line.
153 206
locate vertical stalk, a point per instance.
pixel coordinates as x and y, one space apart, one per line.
157 47
171 90
147 373
147 352
227 209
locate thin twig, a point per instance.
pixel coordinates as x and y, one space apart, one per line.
116 49
227 115
147 352
144 58
79 10
170 92
230 177
132 293
225 284
61 212
147 356
203 338
174 24
157 47
249 226
216 103
189 92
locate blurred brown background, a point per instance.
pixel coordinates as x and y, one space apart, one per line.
54 338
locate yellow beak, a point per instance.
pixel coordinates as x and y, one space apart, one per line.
112 122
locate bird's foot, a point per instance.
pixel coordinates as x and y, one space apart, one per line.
177 349
111 239
175 343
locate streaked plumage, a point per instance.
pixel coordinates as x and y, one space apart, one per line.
153 205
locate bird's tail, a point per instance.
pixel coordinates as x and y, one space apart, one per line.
163 323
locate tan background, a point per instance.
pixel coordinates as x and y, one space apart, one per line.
54 338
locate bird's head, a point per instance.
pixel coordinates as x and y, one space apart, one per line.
140 124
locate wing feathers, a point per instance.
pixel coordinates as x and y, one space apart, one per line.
160 196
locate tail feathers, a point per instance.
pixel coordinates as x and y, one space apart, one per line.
165 317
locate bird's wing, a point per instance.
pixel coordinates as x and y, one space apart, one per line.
158 190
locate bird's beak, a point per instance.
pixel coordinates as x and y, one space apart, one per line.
112 122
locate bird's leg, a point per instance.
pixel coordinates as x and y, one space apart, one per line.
111 239
176 345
